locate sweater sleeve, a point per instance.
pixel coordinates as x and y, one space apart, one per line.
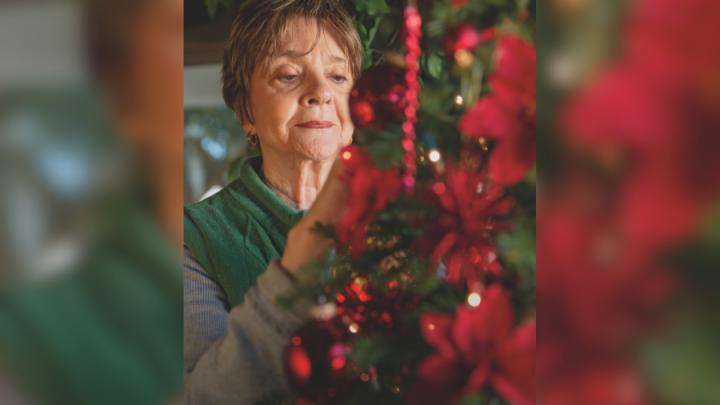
235 356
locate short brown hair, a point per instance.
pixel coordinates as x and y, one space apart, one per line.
256 33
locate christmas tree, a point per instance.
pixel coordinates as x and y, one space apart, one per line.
429 293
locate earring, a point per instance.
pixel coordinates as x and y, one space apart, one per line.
252 139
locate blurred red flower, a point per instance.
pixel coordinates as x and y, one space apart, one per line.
601 295
476 348
657 106
607 381
370 190
507 114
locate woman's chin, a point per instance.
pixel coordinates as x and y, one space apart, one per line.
319 154
318 148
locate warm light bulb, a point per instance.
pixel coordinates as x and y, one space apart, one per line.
434 155
459 100
473 299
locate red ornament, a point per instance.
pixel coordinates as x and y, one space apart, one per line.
412 45
378 97
477 348
363 113
370 190
507 114
385 93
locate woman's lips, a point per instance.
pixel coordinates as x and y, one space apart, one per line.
316 124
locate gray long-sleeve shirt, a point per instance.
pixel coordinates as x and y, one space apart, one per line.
234 355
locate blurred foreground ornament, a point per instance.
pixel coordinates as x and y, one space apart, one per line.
316 361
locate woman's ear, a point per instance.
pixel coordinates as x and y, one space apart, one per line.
246 125
248 128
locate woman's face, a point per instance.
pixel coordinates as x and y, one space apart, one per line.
299 101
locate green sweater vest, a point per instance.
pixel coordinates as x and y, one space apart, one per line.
235 233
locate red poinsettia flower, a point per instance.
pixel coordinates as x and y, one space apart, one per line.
477 348
370 190
470 211
507 114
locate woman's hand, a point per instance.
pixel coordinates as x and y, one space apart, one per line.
304 244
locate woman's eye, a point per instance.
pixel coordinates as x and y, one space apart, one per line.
287 78
339 78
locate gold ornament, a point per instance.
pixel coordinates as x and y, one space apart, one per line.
483 143
464 59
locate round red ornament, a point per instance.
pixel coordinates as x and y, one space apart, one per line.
378 97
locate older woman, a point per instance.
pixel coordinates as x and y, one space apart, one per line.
288 72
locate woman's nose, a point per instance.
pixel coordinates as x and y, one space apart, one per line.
318 93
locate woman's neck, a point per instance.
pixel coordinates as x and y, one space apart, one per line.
296 181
